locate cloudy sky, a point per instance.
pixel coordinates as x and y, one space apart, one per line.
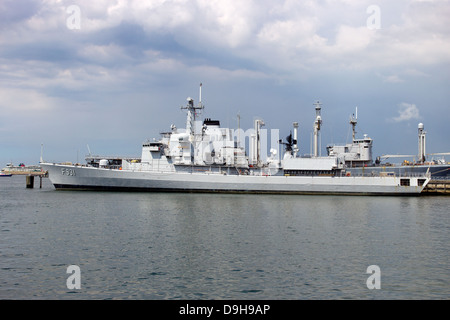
110 74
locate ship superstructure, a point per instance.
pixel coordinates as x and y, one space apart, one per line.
358 153
358 157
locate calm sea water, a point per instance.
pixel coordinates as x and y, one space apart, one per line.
219 246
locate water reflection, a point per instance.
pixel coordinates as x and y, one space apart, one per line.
219 246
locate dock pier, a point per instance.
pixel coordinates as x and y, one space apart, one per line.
30 182
437 187
30 179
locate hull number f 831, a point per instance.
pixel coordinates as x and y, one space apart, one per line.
68 172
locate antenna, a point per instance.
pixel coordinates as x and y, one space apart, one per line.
42 152
200 96
89 150
353 122
192 113
317 125
239 128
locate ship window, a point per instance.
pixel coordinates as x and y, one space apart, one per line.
421 182
405 182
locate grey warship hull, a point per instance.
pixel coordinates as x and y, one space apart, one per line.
70 177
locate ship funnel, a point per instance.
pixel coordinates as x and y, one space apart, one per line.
258 124
295 143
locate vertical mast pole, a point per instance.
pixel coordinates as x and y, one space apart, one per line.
317 125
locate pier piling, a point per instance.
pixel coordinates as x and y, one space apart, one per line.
30 182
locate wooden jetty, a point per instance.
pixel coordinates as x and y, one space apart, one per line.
437 187
30 179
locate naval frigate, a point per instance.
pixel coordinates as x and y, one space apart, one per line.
205 157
